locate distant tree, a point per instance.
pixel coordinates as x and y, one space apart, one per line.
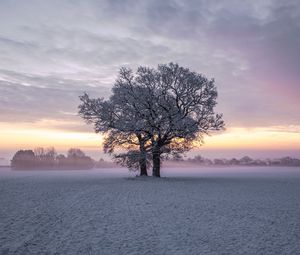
259 162
246 160
45 158
39 152
169 107
77 159
23 159
199 159
61 161
51 154
234 161
75 153
42 158
221 162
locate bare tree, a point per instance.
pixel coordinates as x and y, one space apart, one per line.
76 158
121 122
45 157
169 107
136 157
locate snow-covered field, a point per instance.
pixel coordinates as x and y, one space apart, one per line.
206 211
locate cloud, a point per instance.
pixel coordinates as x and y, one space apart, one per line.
32 103
52 51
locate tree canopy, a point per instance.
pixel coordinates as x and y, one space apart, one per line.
154 113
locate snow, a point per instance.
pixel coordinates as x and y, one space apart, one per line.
207 211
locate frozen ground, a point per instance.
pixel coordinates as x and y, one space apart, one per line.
211 211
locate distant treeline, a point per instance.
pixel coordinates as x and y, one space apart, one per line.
48 158
244 161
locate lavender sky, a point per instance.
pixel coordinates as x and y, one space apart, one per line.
53 51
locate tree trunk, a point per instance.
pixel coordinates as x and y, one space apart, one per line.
143 167
143 158
156 162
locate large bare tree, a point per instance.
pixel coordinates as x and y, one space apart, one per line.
121 123
159 112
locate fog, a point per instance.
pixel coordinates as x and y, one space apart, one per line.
167 172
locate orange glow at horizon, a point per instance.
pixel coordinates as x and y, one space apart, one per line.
254 138
27 137
31 138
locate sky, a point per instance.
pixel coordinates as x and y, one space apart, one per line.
53 51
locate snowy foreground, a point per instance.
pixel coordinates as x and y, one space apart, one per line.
208 211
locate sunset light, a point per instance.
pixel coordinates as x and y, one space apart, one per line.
162 127
258 138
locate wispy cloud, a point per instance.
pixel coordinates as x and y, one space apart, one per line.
52 51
